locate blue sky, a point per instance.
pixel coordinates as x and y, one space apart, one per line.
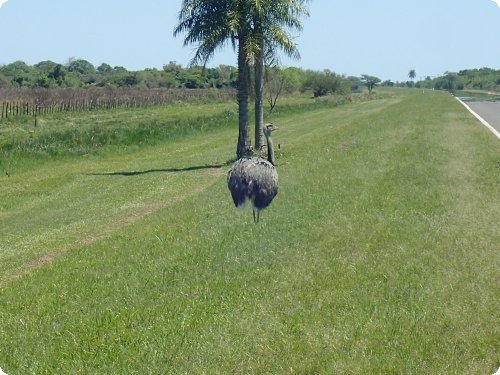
384 38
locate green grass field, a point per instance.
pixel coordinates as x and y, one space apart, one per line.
380 254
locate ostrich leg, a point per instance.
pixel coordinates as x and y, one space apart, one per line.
255 216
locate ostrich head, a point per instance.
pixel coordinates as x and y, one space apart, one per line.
268 128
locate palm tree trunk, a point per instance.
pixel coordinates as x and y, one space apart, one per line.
259 96
243 77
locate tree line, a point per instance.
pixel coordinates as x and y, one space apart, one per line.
467 79
49 87
80 73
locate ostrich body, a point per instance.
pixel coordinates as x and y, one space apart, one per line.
255 179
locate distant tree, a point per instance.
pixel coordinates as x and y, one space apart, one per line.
120 69
48 74
451 79
225 76
104 68
317 83
17 67
274 85
172 67
58 74
411 75
195 78
149 78
175 74
327 82
19 72
4 82
370 81
81 66
294 79
45 66
281 81
355 83
130 80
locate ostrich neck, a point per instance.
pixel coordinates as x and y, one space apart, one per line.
270 150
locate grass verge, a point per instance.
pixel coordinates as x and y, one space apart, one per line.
379 254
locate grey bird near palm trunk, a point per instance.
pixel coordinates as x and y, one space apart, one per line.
255 179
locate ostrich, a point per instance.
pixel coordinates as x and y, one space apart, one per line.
255 179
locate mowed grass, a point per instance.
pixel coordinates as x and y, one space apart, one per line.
379 254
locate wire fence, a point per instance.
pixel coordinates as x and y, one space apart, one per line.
33 102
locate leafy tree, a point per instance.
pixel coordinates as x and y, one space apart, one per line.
275 83
4 82
104 68
280 81
43 73
195 78
173 67
81 72
81 66
119 69
327 82
220 77
319 84
130 80
451 79
45 66
294 79
58 74
19 73
356 83
370 81
17 67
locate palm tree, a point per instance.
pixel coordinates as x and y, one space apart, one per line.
254 28
411 75
271 20
211 24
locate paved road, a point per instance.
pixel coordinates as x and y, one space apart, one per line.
490 111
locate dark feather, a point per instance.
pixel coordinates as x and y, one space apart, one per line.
253 179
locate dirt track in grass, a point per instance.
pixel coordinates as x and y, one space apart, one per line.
108 231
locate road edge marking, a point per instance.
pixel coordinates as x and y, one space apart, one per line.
482 120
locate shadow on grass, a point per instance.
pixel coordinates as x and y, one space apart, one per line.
165 170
